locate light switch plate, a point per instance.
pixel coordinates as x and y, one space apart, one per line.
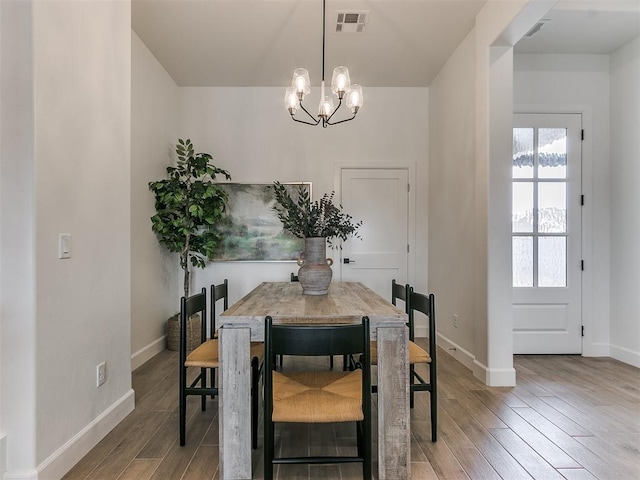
64 245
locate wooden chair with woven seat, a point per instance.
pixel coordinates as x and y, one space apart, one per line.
320 396
417 355
425 304
205 357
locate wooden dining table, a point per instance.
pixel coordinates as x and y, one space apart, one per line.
346 302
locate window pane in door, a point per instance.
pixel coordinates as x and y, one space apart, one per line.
552 261
552 207
522 207
522 261
552 153
522 153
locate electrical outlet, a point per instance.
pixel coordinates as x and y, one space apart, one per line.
455 320
101 373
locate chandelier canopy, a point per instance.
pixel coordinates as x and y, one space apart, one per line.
340 86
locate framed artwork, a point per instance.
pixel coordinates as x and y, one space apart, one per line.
252 231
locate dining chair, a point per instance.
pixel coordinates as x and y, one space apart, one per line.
319 396
425 304
205 357
417 355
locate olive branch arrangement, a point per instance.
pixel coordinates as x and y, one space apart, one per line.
320 218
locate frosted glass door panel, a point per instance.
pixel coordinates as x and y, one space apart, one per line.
552 261
522 261
552 153
523 153
522 212
552 207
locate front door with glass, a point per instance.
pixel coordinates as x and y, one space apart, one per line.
546 233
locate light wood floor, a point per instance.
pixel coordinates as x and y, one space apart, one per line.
569 417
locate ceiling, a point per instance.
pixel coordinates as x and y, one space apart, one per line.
405 43
585 27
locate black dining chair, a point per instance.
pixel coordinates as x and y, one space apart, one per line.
417 355
324 396
205 357
425 304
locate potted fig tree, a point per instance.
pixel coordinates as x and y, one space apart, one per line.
188 203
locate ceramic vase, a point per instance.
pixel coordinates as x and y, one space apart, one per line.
315 268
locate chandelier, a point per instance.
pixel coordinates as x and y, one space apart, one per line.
340 86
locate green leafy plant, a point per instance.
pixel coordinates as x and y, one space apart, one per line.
188 203
305 218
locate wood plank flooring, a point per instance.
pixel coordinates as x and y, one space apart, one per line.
568 418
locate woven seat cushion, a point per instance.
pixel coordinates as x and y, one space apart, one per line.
416 354
206 355
317 397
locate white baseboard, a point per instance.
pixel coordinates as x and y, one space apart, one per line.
625 355
23 475
457 352
596 350
148 352
496 377
3 454
16 474
500 377
61 461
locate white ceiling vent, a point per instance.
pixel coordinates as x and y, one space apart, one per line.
352 22
536 28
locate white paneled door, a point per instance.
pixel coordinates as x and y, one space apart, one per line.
380 198
546 233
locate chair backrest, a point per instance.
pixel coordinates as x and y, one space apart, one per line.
294 278
317 340
218 292
314 339
190 306
427 305
401 292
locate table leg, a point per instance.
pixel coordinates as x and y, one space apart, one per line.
234 411
394 433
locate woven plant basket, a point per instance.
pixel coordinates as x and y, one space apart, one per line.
173 332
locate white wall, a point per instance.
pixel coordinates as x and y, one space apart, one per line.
452 153
625 203
154 271
580 84
469 150
249 133
67 315
466 210
17 224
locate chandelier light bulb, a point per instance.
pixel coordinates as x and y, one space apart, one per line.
326 108
301 83
354 98
340 81
291 101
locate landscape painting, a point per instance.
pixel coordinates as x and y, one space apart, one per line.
252 230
